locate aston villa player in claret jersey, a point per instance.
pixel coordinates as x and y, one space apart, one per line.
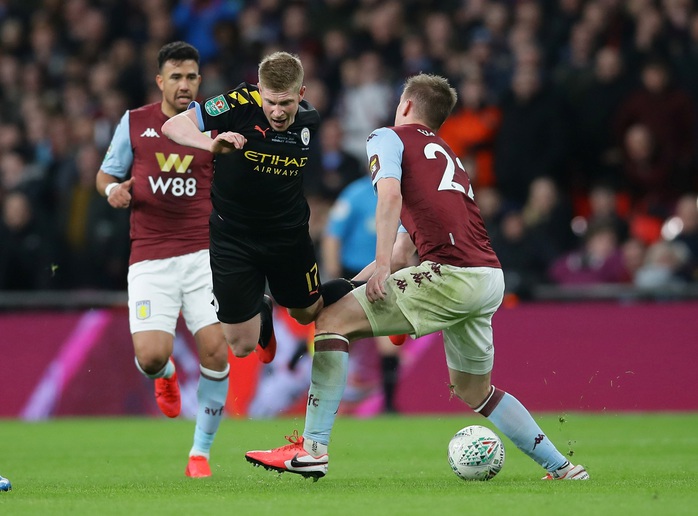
167 188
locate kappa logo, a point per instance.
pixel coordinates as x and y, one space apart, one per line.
263 131
539 439
150 133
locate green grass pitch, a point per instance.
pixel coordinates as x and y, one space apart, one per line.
639 464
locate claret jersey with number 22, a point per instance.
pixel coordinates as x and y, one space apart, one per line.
438 206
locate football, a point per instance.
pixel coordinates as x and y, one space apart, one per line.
476 453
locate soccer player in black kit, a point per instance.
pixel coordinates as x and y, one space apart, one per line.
259 222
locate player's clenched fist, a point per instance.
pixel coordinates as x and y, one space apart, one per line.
375 286
119 196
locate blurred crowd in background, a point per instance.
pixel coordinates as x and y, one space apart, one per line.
576 120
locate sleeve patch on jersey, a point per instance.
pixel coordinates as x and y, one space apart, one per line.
245 96
374 165
216 106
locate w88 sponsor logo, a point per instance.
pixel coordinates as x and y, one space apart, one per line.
177 186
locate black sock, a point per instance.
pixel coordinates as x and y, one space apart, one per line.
389 369
266 324
336 289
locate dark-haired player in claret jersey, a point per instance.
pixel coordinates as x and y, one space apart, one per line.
167 187
259 224
456 288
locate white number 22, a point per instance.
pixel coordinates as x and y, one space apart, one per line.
447 182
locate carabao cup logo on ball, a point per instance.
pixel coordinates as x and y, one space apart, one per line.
476 453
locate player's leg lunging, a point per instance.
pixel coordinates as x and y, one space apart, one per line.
514 421
307 454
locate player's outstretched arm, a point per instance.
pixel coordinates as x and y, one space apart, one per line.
184 129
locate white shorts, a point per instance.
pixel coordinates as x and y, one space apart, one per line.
159 289
430 297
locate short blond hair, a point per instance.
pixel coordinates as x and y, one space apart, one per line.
281 71
432 96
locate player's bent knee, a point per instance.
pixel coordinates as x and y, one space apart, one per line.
305 315
151 364
241 351
239 345
471 397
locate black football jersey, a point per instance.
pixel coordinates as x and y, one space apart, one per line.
260 187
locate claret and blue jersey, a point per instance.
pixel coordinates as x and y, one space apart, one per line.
171 189
438 207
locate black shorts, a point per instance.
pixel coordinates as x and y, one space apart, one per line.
243 263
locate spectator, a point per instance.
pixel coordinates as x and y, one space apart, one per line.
379 27
683 227
94 237
524 256
490 203
494 67
367 95
604 206
598 260
336 48
563 17
633 250
592 144
471 131
339 168
415 58
646 40
668 113
296 36
663 265
687 62
529 143
197 20
647 171
28 258
547 216
16 173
